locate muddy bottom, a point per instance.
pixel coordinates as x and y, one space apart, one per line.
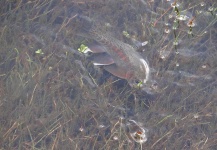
53 97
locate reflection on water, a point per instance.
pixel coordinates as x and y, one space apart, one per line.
53 97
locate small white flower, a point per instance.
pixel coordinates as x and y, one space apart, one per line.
182 17
81 129
167 31
101 126
115 138
196 116
202 4
210 8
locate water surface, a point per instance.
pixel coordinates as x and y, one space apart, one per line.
53 97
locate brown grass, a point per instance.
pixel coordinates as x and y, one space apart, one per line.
59 100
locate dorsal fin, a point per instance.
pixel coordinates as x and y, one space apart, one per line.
102 59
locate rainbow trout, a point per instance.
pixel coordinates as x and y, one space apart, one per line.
117 57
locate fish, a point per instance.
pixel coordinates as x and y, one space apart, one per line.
118 58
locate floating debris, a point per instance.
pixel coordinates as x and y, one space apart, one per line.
39 51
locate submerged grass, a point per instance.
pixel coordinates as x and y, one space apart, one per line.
52 98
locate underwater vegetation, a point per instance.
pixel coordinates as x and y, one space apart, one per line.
52 96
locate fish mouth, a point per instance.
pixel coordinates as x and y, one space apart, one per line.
150 87
150 90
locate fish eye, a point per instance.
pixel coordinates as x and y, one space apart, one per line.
137 81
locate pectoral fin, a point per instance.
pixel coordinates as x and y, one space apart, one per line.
97 48
102 59
120 72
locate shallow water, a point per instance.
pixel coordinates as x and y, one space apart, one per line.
53 97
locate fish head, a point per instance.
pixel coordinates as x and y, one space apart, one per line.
150 86
141 78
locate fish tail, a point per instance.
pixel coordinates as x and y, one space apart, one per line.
89 28
85 23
